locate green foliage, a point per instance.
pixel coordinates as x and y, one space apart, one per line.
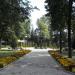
57 11
13 42
25 28
43 27
12 12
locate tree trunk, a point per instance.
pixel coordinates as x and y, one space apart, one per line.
0 43
60 41
69 29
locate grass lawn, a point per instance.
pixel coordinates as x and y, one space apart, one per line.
6 53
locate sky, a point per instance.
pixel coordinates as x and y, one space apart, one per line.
36 14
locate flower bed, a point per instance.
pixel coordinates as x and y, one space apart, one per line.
8 59
67 63
21 53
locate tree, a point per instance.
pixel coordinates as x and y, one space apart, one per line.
67 10
24 30
11 13
43 29
56 12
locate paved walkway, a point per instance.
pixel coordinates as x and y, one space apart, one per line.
38 62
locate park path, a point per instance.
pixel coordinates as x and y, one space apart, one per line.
38 62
